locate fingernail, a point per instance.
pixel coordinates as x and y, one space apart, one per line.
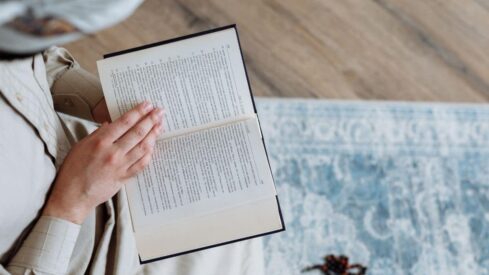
159 113
147 106
159 128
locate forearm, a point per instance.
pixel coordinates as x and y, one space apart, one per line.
93 172
47 249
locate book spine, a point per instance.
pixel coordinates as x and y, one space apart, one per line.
211 125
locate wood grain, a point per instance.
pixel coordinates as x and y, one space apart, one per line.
433 50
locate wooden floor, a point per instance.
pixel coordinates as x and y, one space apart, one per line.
430 50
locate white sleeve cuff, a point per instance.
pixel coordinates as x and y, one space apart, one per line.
48 247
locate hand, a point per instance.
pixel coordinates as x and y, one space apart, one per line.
97 166
100 112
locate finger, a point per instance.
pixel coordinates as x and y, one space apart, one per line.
99 131
145 146
137 133
139 165
119 127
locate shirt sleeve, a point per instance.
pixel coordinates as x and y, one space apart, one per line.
47 249
75 91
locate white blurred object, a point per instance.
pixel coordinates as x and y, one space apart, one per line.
86 15
10 9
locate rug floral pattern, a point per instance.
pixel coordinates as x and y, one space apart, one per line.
401 188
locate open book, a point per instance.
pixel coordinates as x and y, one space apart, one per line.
209 182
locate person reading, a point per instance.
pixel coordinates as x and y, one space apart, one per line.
62 210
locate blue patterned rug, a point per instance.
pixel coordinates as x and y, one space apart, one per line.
401 188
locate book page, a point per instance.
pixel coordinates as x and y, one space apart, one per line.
200 173
231 224
197 81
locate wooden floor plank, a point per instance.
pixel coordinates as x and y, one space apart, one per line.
433 50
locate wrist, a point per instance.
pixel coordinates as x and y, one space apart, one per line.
61 210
